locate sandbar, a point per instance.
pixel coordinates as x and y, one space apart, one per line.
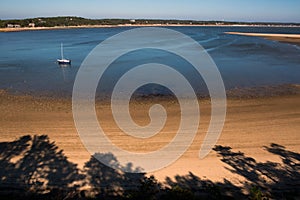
286 38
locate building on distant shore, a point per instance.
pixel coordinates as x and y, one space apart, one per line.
31 25
13 26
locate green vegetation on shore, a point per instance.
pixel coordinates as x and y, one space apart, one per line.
79 21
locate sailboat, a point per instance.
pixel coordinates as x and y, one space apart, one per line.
63 61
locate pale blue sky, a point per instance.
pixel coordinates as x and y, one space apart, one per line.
229 10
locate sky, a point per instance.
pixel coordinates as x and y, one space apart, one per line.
228 10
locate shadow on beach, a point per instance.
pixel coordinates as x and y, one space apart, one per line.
35 168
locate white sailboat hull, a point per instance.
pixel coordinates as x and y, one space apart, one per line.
63 61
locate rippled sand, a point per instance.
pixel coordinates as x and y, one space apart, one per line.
251 123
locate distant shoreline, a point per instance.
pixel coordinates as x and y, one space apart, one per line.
53 28
136 25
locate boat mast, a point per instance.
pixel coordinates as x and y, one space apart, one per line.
61 51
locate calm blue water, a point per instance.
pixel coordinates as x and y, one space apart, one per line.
27 59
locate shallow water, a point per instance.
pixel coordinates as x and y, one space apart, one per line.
27 59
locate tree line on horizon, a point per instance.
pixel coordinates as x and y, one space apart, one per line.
80 21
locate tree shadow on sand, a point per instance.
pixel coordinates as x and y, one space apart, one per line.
35 165
34 168
264 180
106 181
271 179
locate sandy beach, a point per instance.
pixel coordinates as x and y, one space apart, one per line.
287 38
251 124
53 28
92 26
134 25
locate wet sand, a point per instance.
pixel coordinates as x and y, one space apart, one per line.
251 124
